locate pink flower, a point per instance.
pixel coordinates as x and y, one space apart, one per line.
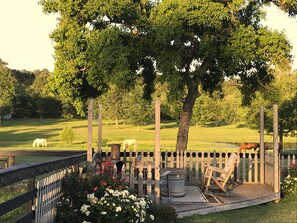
95 188
103 183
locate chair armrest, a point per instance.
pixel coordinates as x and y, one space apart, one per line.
165 173
216 169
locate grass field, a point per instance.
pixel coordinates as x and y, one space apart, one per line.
283 212
19 134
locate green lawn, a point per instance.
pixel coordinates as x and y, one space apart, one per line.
19 134
283 212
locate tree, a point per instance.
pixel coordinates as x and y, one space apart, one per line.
112 102
138 110
7 88
24 105
192 43
283 92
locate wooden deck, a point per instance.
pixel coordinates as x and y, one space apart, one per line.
241 196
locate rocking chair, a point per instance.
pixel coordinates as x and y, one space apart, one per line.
224 176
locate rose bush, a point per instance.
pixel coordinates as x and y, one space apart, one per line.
101 197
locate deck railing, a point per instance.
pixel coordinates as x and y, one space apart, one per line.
195 162
141 176
48 192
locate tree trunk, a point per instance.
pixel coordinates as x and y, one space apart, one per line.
185 118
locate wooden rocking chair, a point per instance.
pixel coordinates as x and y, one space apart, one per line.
224 176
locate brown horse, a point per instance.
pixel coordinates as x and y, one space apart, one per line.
249 145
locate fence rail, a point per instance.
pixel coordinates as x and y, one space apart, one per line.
195 162
141 176
29 172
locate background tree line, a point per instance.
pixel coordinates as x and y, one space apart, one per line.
27 94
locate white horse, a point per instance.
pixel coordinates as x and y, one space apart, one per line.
129 142
40 142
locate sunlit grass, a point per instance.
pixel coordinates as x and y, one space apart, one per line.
19 134
283 212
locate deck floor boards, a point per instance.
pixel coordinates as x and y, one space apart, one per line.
241 196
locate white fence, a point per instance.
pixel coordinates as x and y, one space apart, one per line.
141 177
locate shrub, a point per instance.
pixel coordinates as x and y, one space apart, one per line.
67 135
100 197
289 186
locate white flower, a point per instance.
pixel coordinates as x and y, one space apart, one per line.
152 217
118 209
84 208
142 203
103 212
88 213
92 198
86 222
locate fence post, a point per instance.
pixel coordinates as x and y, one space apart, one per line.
90 134
30 186
157 150
99 128
276 181
262 160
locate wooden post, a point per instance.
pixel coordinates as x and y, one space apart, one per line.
30 186
262 160
157 150
90 134
276 180
100 128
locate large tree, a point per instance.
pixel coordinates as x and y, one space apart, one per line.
190 43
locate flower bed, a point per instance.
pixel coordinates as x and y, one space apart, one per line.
101 197
289 186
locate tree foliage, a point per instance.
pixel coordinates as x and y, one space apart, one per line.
7 88
184 44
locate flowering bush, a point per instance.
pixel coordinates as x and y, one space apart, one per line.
289 186
101 197
115 206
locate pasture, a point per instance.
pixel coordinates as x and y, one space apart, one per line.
20 134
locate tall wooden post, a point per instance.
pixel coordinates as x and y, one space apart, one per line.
90 133
157 150
276 181
262 160
99 128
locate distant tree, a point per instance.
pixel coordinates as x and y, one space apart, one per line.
24 104
138 110
283 92
206 109
7 88
231 108
170 108
39 84
48 107
112 102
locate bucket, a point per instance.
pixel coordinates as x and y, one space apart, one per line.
177 183
115 152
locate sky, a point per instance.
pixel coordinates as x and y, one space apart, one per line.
25 29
